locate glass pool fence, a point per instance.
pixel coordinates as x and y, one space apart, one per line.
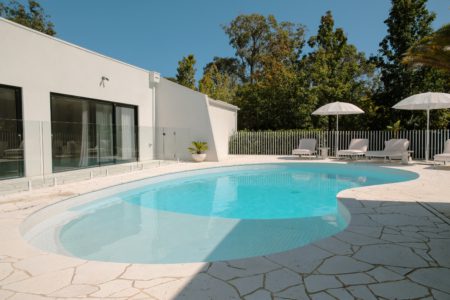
51 153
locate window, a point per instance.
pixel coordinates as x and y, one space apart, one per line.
11 133
88 133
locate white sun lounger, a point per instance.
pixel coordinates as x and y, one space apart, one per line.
444 156
393 149
357 147
305 147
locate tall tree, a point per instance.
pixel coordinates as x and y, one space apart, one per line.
409 21
337 72
218 85
221 78
186 71
271 99
248 35
32 16
229 66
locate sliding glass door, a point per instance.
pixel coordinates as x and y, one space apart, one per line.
11 133
87 133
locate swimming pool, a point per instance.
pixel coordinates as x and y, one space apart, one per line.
205 215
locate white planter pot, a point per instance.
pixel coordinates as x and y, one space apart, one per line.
199 157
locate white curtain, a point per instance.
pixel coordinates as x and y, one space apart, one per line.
103 116
84 153
126 130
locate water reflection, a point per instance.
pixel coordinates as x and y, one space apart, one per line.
129 233
268 194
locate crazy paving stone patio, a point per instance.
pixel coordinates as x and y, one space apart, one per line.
390 250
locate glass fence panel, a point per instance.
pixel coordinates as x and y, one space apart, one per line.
159 143
182 142
172 143
11 149
169 141
126 145
78 146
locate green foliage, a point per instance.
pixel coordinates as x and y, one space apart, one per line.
229 66
198 147
395 128
431 51
268 52
32 16
336 71
276 86
173 79
218 85
280 88
186 71
248 35
220 79
409 21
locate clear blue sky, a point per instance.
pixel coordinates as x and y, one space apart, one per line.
155 35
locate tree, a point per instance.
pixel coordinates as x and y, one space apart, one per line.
186 71
337 72
409 21
268 96
221 78
229 66
248 35
432 51
173 79
217 85
33 17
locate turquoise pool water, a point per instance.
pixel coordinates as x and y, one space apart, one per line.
217 214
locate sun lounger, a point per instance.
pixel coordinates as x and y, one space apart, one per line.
357 147
305 147
444 156
393 149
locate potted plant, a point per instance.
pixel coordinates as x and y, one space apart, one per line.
198 150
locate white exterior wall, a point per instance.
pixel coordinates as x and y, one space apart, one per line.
224 124
40 64
193 118
186 111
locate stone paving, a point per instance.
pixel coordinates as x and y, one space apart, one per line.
390 250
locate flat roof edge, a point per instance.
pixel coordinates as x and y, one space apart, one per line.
223 104
71 45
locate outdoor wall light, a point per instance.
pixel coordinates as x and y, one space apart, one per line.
102 82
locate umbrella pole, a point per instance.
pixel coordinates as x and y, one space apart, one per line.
337 136
427 153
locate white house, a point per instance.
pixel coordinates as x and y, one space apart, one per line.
63 107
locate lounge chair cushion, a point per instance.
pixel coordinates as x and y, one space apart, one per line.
444 156
394 148
305 147
351 152
356 147
302 152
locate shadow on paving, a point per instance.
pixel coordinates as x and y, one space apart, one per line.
392 250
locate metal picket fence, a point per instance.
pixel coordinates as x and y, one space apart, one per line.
282 142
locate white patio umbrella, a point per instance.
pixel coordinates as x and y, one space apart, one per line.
337 109
425 101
